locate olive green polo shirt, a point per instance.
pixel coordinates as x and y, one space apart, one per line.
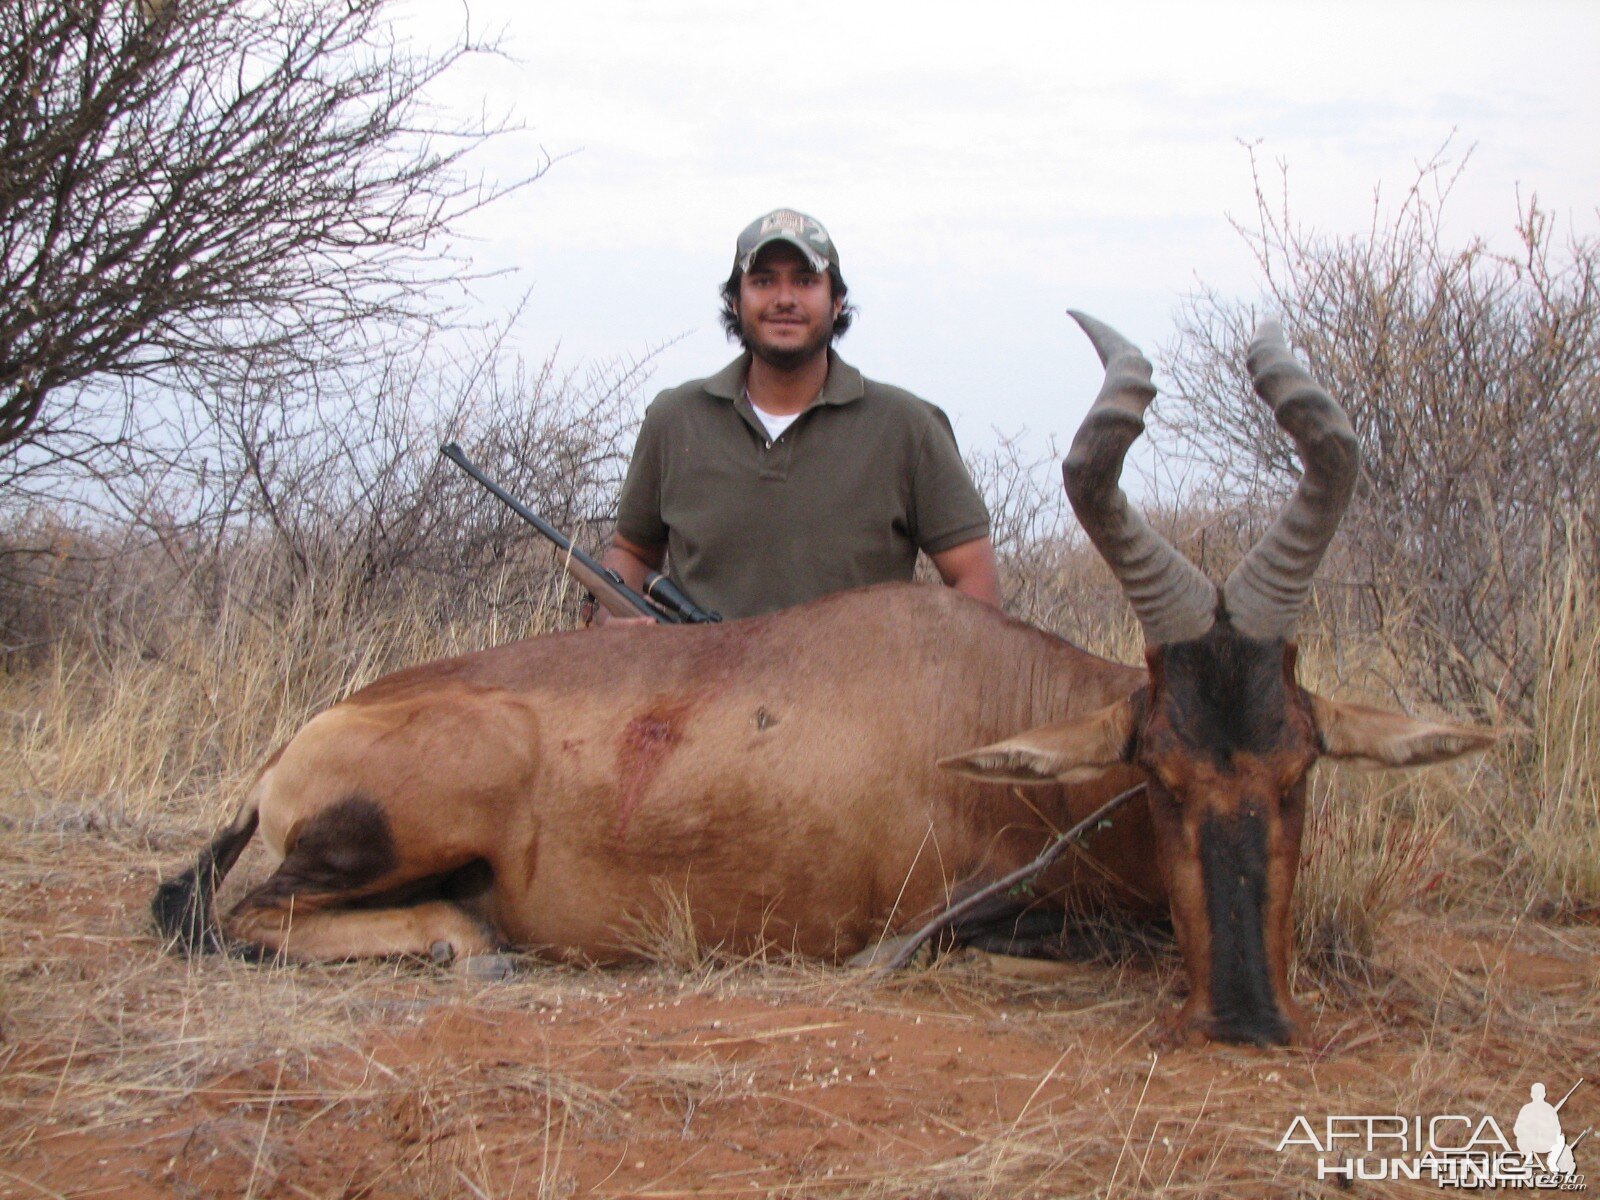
863 479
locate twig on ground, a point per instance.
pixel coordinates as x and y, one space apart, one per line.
1021 875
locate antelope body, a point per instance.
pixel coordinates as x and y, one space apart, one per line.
819 778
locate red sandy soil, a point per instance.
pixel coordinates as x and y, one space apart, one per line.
125 1071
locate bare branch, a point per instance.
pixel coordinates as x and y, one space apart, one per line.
189 183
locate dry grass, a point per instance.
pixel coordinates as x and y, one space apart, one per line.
1561 808
1513 831
667 933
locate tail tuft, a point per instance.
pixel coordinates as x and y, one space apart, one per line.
184 907
182 910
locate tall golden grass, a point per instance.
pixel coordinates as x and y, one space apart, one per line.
1559 810
1517 829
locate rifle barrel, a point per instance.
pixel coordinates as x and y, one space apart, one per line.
591 574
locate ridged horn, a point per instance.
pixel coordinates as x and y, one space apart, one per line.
1172 599
1266 591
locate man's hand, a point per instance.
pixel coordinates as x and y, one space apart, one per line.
633 562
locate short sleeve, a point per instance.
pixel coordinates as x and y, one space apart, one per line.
946 506
639 505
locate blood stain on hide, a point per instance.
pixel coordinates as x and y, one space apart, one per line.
646 742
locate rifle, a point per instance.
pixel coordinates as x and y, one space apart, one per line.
663 600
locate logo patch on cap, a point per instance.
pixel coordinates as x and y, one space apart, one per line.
785 220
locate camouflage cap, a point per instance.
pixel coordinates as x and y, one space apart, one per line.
785 225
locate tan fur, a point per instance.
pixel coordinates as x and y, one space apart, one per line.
416 929
730 764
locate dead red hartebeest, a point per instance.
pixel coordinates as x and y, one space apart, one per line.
808 780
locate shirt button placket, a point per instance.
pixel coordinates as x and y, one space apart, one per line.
775 457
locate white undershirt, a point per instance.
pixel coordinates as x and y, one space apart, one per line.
775 424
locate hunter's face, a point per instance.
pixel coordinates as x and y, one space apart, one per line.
786 309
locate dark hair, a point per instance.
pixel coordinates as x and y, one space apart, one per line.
730 306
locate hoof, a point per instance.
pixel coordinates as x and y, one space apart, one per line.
442 953
487 968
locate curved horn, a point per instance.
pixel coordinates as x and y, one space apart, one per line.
1172 599
1266 591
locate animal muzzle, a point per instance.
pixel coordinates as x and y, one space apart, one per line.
1248 951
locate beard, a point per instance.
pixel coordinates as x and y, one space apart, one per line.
786 358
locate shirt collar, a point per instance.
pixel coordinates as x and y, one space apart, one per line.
844 381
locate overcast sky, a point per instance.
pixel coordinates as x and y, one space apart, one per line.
983 166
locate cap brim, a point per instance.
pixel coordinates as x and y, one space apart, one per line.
819 262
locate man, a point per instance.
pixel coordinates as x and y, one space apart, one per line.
786 475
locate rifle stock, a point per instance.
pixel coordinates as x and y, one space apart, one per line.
609 591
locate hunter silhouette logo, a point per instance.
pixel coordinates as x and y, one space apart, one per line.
1538 1132
1452 1150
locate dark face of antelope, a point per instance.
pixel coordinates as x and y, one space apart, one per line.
1227 738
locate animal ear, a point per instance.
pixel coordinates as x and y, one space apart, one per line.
1373 738
1071 752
